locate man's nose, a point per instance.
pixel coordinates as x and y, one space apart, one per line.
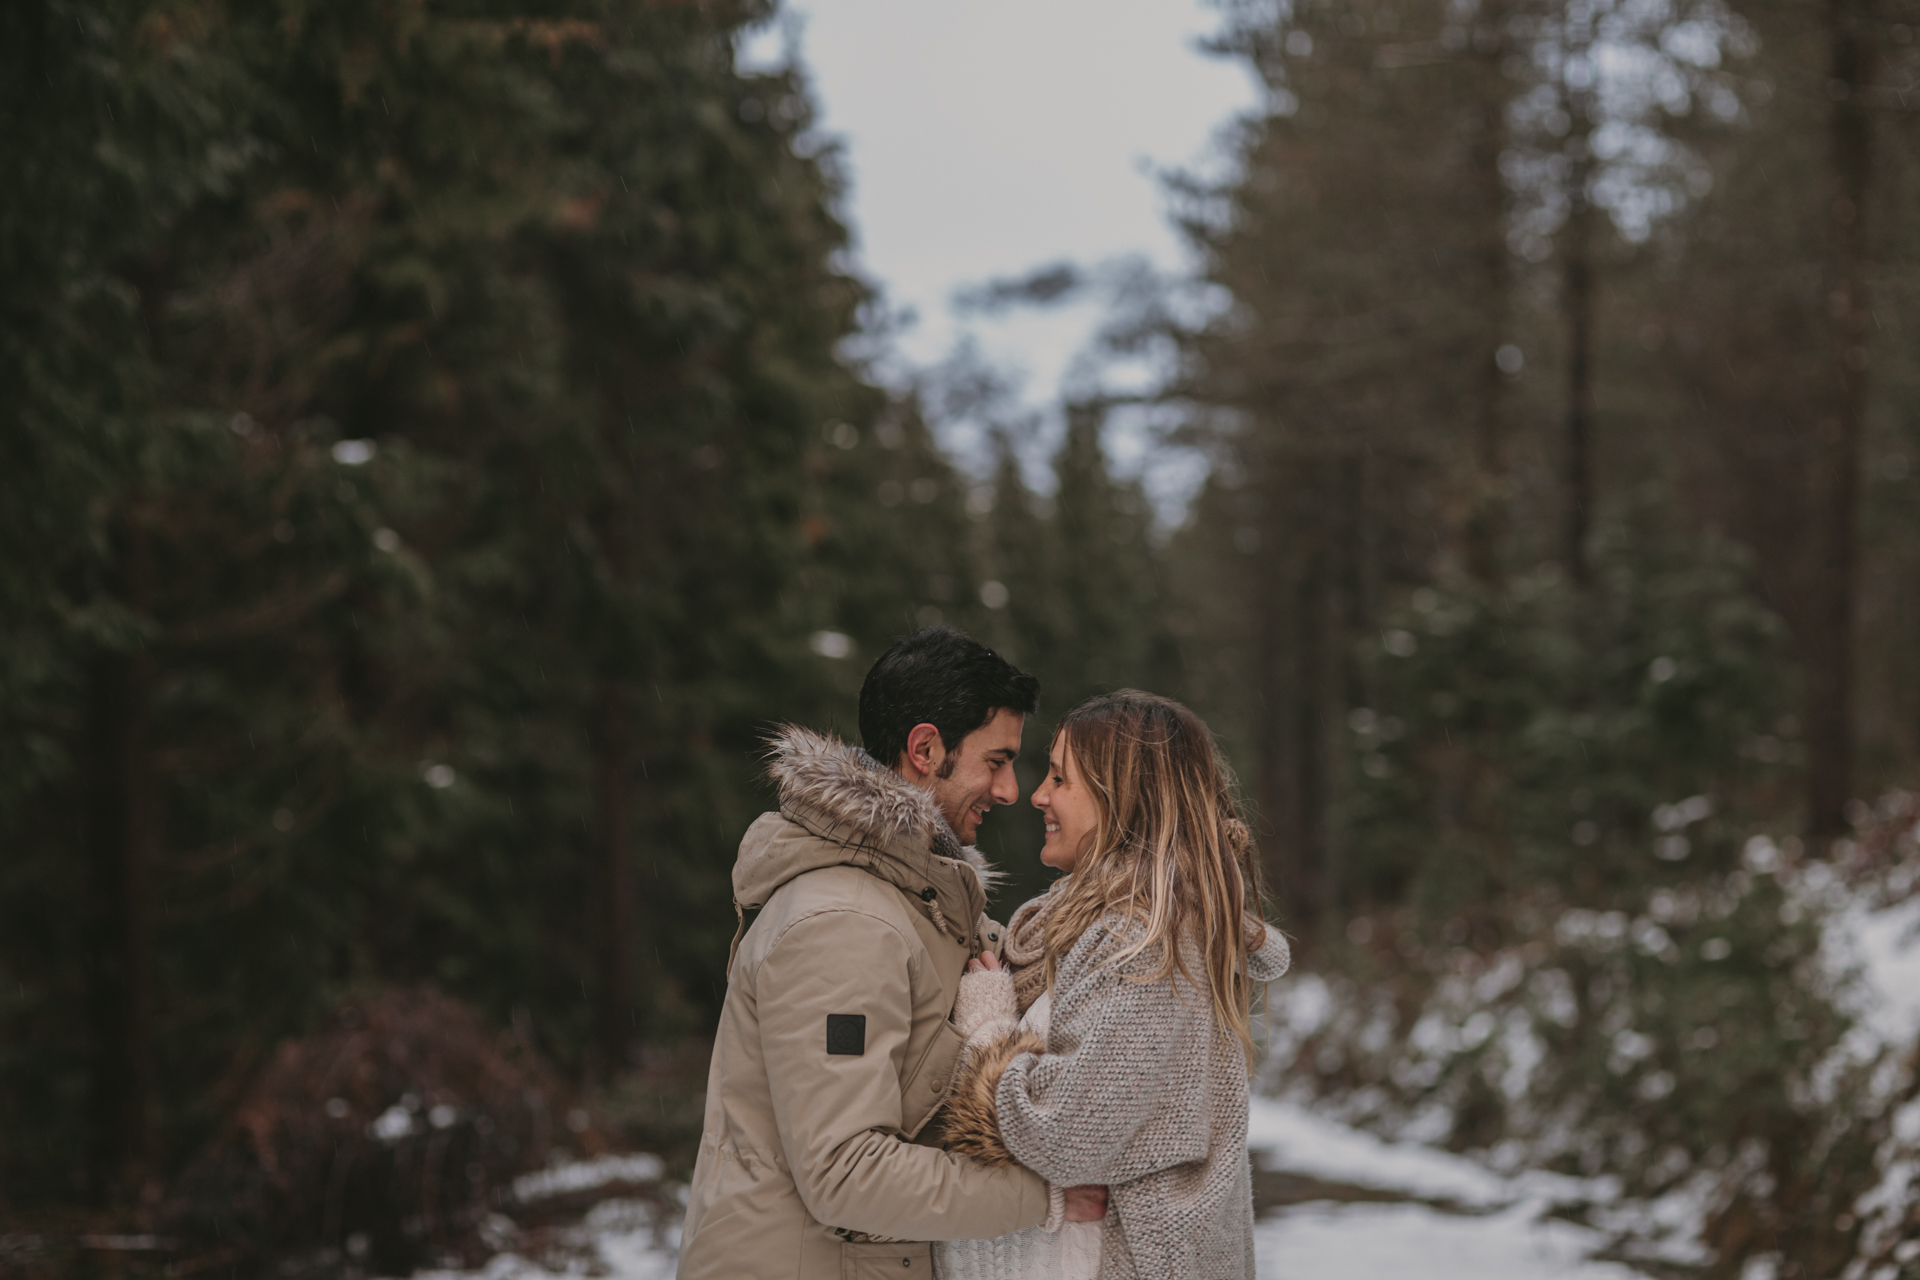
1006 787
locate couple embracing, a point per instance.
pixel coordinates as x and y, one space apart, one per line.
903 1087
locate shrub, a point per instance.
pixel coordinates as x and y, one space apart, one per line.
384 1139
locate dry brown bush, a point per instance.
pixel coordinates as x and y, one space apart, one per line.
382 1142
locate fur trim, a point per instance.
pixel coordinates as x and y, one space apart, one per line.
852 787
972 1126
990 875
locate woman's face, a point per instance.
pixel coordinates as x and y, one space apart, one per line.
1067 804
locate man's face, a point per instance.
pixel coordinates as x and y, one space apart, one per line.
969 781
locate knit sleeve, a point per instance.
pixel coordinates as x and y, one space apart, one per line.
1121 1091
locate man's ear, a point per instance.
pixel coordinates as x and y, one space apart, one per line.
924 753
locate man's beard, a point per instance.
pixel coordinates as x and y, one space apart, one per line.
956 818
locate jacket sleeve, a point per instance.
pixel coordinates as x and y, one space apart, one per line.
1121 1092
840 1114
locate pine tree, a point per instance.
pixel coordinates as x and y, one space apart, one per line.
408 605
1085 605
1366 255
1772 337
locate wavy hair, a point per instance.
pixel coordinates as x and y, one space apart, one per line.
1169 850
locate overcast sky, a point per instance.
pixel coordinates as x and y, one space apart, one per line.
989 137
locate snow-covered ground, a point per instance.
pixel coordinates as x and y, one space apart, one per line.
1461 1221
619 1240
1361 1208
1886 945
1323 1241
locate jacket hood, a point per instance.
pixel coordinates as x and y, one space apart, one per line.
859 813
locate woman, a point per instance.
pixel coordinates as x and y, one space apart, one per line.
1132 982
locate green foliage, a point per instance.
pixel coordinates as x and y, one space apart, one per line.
1084 607
1524 584
414 468
1696 1042
431 457
1537 734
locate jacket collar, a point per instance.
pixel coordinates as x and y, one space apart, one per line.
864 814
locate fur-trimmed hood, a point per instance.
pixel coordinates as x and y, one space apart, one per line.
853 811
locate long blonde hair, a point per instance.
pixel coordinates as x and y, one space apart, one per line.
1169 849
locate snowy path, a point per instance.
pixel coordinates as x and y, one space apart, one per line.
1318 1241
1490 1228
1376 1241
1345 1205
1493 1228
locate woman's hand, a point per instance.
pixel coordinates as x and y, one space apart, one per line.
986 963
1086 1204
986 1005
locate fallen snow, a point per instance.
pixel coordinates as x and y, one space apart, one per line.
581 1175
1292 1138
1389 1241
1508 1234
1888 946
1507 1237
625 1238
630 1244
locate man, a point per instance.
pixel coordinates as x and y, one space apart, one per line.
834 1050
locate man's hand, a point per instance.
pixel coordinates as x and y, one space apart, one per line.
1086 1204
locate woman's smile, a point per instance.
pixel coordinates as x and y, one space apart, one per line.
1071 817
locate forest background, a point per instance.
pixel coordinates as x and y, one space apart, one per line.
441 439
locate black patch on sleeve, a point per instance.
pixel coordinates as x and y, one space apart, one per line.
847 1033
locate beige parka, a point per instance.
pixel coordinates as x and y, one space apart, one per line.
835 1049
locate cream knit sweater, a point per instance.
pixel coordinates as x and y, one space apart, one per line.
1069 1252
1139 1089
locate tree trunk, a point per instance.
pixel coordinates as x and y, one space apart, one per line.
613 878
1286 877
1357 554
120 838
1830 666
1315 679
1287 843
1578 300
1293 673
1487 517
1348 619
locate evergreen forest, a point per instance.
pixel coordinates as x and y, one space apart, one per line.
440 438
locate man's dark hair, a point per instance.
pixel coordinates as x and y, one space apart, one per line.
942 677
